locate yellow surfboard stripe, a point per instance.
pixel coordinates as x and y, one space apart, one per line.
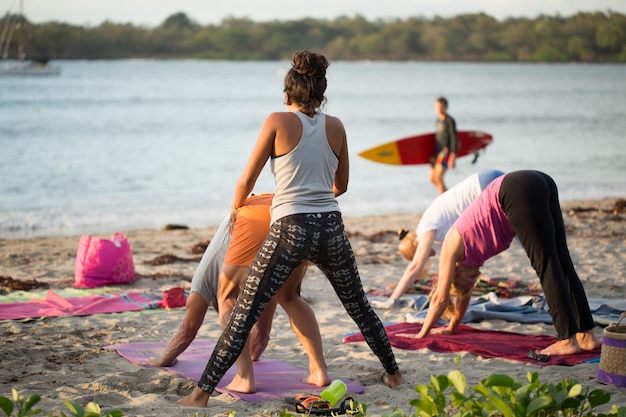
386 153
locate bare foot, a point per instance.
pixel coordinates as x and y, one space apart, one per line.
587 340
562 347
319 380
197 398
394 380
243 385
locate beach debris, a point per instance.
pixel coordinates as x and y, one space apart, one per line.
619 206
376 237
160 275
200 247
7 282
168 258
168 227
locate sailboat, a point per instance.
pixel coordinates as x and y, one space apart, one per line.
21 65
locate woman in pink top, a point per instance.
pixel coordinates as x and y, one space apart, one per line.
525 203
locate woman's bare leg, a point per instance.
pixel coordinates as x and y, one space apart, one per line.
304 325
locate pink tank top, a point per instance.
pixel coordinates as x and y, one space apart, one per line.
484 226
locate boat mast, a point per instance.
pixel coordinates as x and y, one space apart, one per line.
21 52
8 27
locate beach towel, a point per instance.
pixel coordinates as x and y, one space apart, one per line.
522 309
55 305
503 287
485 343
274 379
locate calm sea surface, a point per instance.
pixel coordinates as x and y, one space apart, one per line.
123 145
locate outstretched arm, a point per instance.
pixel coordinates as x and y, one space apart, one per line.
464 282
196 309
260 334
460 307
451 251
413 270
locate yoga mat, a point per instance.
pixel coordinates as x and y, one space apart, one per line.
274 379
55 305
485 343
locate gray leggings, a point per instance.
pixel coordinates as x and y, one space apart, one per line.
316 237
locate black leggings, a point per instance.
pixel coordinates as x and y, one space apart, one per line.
319 238
530 200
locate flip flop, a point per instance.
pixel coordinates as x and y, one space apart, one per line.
538 356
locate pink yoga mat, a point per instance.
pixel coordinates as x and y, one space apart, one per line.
274 379
485 343
54 305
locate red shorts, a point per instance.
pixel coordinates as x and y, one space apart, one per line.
249 231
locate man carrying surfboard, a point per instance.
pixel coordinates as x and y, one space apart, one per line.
447 145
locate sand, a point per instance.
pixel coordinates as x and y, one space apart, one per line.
62 358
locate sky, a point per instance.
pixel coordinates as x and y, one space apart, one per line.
151 13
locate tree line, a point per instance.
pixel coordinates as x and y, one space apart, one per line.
583 37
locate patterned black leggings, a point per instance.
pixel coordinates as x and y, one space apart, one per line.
316 237
531 202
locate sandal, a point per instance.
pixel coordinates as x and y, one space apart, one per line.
538 356
311 404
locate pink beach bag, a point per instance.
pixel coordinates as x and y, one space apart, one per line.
101 262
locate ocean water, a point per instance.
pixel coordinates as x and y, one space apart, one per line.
124 145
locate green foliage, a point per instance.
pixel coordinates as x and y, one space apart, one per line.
505 396
583 37
19 407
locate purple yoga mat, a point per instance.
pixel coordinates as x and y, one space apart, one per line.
274 379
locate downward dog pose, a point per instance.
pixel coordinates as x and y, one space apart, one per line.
432 228
236 255
525 203
309 159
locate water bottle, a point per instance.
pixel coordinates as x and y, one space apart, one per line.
334 392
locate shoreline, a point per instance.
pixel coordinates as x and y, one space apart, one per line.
62 358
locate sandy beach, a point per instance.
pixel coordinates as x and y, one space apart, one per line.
62 358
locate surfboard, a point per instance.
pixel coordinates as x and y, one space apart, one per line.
417 150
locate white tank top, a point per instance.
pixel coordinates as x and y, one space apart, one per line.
305 176
447 207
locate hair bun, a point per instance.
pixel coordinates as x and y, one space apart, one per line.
309 64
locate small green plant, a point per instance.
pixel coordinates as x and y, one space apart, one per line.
505 396
19 407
